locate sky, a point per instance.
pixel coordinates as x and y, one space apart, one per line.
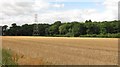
49 11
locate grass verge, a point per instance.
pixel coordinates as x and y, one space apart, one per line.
8 59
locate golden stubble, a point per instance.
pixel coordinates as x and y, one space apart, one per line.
63 50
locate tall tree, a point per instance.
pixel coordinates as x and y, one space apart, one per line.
65 28
54 28
43 29
15 30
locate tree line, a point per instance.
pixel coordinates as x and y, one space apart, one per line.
68 29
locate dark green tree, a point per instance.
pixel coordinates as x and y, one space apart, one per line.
54 28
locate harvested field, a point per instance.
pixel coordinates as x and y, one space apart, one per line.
63 50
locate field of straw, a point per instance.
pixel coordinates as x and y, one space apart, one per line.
63 50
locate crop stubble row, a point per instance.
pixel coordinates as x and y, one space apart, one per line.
63 50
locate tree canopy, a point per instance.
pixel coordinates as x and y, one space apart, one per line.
74 29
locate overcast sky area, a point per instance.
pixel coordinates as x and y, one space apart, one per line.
49 11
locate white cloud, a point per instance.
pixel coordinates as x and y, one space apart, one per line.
58 5
22 11
110 13
111 9
40 5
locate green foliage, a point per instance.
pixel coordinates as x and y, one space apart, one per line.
103 35
58 23
7 60
76 29
53 30
29 28
14 30
65 28
43 29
